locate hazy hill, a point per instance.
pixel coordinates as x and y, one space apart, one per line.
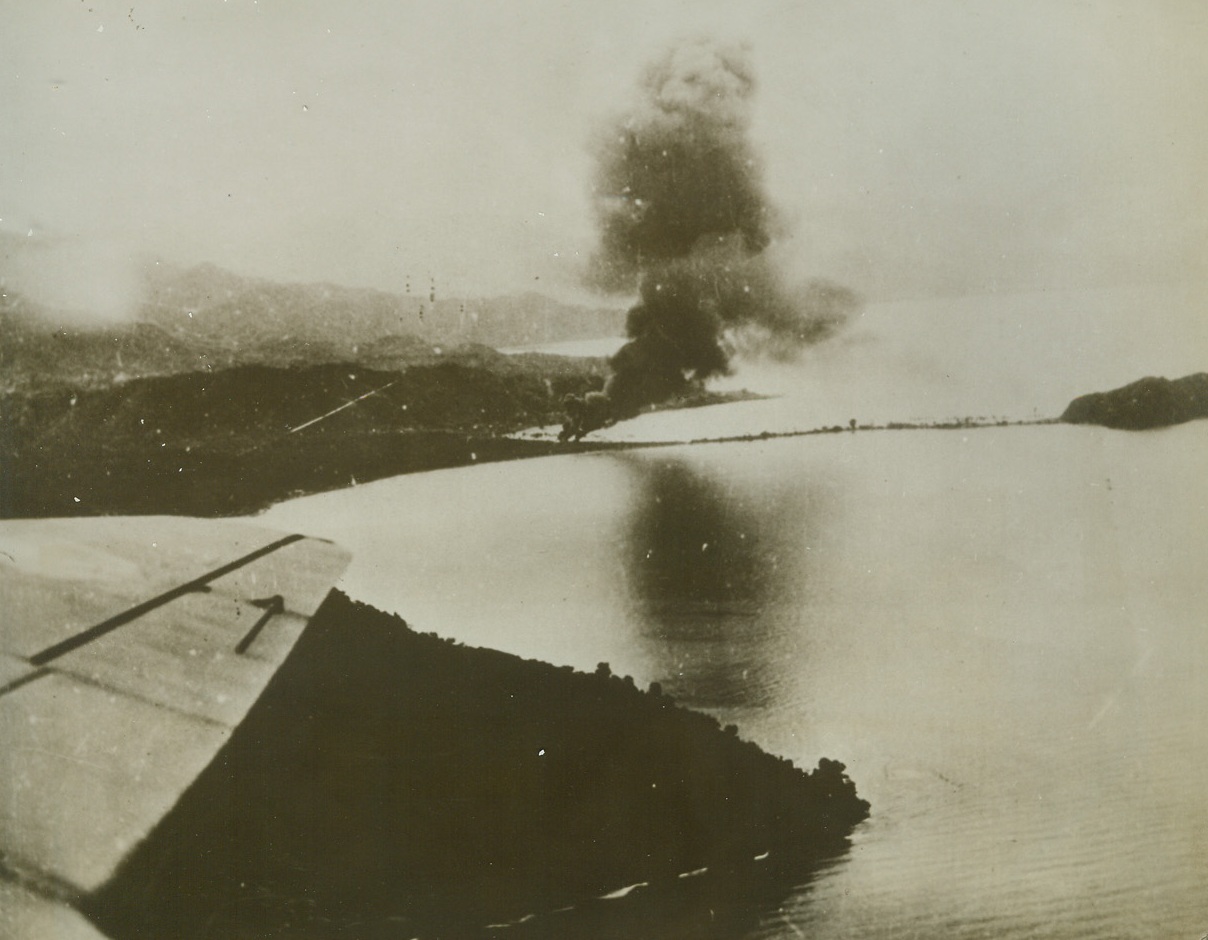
242 313
204 318
202 403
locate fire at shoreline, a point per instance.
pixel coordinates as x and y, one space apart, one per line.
684 220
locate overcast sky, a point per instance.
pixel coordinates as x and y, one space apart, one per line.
915 148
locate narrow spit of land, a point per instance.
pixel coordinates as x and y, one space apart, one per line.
236 441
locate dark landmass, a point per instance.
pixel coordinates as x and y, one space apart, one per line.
203 403
1147 403
393 784
233 441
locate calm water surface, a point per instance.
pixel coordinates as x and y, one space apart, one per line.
1003 632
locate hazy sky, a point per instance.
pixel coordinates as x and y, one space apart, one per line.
915 148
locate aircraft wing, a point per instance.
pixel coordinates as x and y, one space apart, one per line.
130 648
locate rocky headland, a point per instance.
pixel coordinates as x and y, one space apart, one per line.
391 783
1147 403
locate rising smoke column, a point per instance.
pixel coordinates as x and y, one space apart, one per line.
683 218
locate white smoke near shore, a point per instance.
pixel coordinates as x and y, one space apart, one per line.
77 280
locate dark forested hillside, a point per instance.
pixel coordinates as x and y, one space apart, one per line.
234 440
391 784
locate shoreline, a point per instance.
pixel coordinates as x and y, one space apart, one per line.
228 443
229 482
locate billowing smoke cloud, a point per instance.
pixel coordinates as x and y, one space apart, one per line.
678 167
683 219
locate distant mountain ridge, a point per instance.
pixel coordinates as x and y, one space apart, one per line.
222 305
204 318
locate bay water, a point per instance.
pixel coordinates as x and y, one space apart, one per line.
1002 631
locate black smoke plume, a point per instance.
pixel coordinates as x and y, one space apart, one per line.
683 218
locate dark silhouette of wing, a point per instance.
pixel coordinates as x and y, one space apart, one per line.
129 651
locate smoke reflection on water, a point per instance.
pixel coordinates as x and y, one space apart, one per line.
716 580
1000 632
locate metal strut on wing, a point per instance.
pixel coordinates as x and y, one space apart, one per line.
271 605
